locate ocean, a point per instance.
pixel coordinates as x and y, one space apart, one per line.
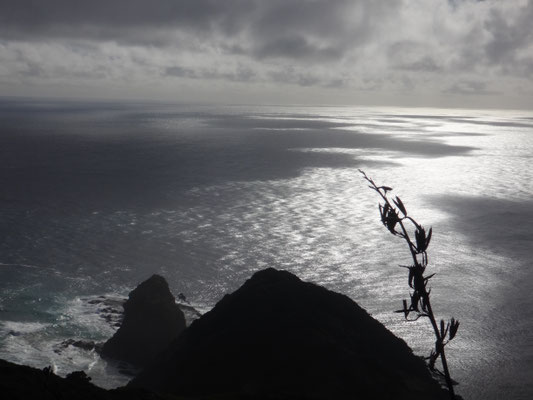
96 197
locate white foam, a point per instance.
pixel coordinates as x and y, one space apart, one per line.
15 328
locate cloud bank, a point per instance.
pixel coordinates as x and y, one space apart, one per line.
469 52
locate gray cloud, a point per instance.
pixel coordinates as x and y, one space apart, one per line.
508 35
131 22
181 72
241 74
44 17
412 56
278 28
297 47
470 88
415 47
291 76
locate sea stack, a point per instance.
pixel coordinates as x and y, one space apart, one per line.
279 337
152 320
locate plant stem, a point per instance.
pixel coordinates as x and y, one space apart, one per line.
418 271
439 345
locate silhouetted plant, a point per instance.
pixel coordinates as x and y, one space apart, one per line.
394 217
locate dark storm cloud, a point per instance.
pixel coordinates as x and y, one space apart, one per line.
23 17
127 21
387 48
306 29
316 29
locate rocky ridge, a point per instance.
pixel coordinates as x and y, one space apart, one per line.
152 320
277 337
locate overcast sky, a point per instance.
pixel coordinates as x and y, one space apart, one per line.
463 53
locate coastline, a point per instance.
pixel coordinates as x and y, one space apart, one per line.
325 324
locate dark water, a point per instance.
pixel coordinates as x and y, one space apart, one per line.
96 197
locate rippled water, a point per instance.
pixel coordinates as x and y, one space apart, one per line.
96 197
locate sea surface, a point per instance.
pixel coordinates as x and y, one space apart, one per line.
96 197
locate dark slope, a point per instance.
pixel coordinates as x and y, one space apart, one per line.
152 320
279 337
19 382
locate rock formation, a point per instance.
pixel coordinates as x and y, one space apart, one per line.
279 337
152 320
19 382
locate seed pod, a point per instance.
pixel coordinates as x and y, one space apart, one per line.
400 205
420 236
454 326
430 232
411 276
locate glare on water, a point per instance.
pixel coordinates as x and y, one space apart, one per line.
96 201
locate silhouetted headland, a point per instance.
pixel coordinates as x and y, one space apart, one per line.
276 337
19 382
152 320
279 337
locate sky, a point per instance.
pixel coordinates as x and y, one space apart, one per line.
435 53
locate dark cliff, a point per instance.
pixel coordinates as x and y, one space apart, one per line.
19 382
279 337
152 320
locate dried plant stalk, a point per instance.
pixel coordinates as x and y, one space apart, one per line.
395 218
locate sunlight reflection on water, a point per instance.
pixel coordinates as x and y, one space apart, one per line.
207 196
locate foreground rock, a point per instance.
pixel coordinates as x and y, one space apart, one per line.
18 382
152 320
278 337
